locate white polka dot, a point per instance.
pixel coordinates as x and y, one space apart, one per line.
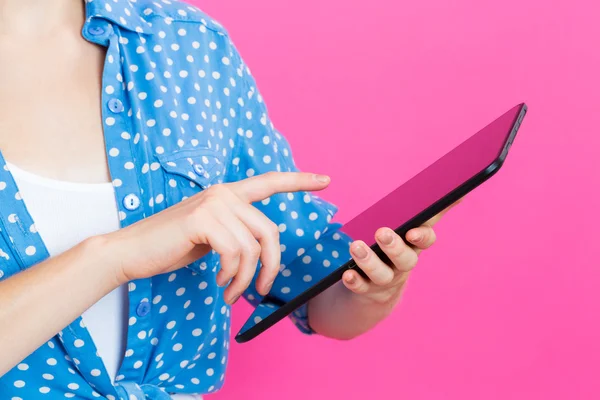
73 386
44 390
138 364
23 367
208 301
48 377
210 372
180 291
164 377
177 347
30 250
109 89
78 343
95 372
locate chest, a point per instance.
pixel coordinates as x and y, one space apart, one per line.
50 109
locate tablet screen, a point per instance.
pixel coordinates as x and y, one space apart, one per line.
420 192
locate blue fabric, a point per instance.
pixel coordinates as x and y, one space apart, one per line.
181 112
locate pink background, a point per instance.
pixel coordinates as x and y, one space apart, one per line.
506 306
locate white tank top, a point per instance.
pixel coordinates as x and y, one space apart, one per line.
65 214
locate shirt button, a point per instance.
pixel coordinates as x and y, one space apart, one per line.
143 309
115 105
96 31
131 202
200 170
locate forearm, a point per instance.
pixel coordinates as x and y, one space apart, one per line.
39 302
340 314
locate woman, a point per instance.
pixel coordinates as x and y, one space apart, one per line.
150 104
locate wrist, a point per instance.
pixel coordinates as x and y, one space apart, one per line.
107 265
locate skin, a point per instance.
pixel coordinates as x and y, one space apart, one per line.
63 120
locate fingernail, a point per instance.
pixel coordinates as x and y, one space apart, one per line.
351 280
416 237
386 237
220 279
322 178
234 299
268 287
360 251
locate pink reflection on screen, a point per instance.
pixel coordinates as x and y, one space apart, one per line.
432 184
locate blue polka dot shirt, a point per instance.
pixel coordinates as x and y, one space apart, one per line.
180 112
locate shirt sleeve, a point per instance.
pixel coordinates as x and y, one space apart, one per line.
311 245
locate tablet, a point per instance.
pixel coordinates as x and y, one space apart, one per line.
432 190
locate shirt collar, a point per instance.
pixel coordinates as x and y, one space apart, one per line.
124 13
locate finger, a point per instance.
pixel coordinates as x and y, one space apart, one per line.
400 254
265 185
422 237
246 241
250 251
221 240
354 282
243 278
267 234
377 271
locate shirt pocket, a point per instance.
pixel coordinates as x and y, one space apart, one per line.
187 173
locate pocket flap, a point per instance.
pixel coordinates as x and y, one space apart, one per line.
203 166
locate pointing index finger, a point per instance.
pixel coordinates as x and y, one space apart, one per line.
262 186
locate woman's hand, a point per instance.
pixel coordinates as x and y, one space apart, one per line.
385 282
220 218
355 305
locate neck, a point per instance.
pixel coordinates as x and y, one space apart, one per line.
34 18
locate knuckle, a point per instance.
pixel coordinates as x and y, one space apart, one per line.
217 190
270 175
400 250
253 249
273 230
361 288
199 214
234 250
